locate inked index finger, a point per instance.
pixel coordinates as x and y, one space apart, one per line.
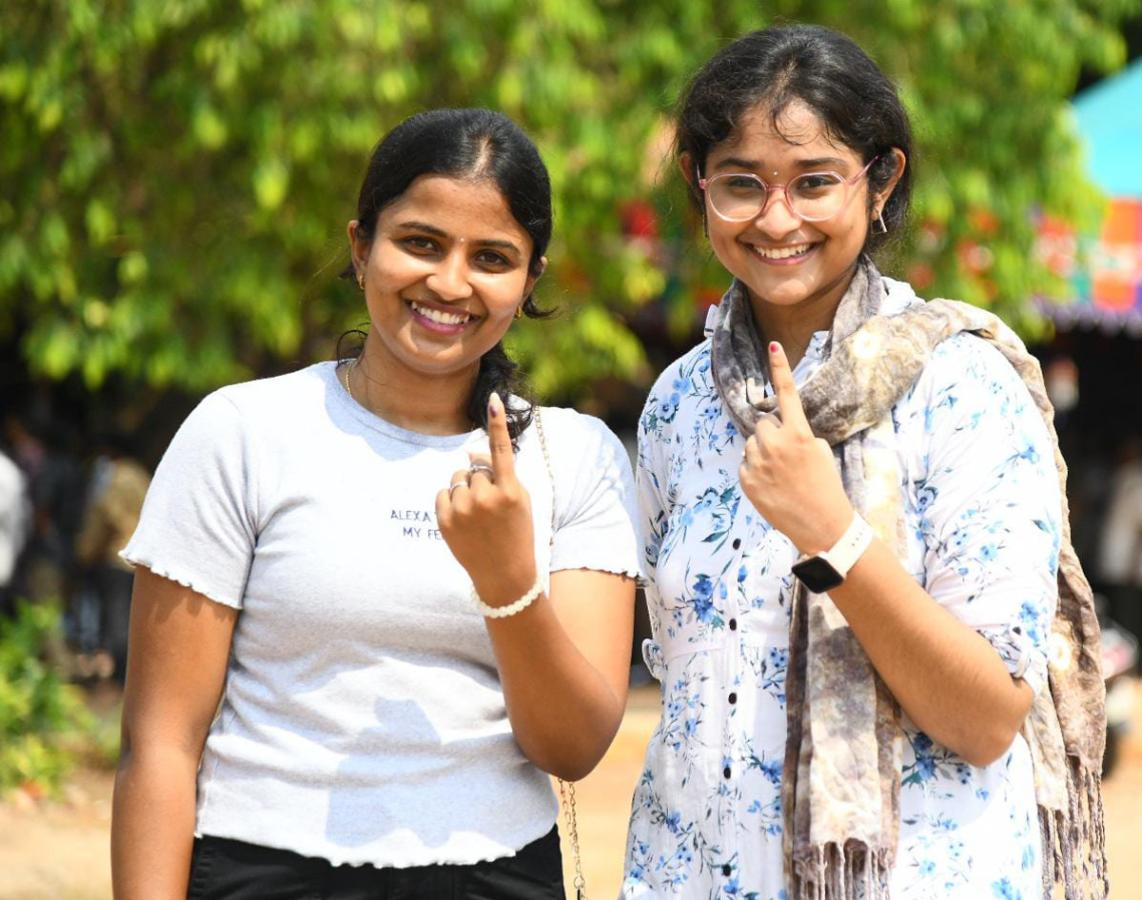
503 462
784 388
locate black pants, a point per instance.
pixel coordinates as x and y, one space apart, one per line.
222 869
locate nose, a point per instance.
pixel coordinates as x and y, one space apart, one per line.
449 279
777 217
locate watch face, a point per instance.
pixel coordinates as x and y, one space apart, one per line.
817 574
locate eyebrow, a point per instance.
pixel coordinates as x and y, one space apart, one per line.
735 162
440 233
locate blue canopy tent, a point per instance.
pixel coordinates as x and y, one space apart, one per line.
1109 115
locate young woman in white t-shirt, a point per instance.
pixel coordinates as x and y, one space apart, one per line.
374 604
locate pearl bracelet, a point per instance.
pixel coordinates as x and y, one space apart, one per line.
502 612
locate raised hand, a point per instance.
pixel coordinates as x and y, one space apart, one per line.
789 475
485 518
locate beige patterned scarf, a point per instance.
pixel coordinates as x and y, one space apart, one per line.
841 782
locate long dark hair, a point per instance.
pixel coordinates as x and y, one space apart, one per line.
474 144
825 70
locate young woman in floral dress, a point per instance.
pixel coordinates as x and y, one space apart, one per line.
855 538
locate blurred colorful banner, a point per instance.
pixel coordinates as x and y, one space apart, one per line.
1105 271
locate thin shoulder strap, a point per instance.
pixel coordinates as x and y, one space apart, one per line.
547 462
566 788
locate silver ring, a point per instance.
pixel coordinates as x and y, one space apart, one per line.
453 487
481 467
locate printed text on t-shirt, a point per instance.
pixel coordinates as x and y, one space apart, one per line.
427 529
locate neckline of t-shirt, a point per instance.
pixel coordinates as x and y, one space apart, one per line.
373 422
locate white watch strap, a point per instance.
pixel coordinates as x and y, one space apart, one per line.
843 555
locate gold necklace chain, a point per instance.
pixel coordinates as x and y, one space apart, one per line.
348 389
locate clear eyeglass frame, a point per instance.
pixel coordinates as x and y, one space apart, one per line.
845 183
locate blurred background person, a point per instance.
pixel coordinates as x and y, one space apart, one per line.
1120 547
44 449
118 484
13 526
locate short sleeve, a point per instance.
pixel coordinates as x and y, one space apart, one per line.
198 524
594 526
987 495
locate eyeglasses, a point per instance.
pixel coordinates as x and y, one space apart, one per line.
813 197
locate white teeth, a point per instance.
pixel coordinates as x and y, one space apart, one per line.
444 318
780 252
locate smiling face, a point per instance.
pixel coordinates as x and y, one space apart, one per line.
783 260
444 271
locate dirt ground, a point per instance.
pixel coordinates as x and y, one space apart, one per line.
59 850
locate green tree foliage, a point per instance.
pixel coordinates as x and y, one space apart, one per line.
42 719
176 175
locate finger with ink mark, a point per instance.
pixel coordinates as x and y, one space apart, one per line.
784 388
503 463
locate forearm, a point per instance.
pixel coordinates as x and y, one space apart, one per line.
563 660
563 711
152 825
946 677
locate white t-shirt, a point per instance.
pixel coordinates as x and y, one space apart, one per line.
363 720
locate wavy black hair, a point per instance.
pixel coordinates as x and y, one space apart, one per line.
473 144
825 70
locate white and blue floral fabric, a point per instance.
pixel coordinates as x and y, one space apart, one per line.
981 501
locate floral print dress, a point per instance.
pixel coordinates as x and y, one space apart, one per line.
981 501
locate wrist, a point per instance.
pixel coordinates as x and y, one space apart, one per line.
511 608
504 589
823 571
828 532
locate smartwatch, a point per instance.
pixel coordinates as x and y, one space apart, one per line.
827 570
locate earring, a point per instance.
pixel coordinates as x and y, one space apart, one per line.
518 312
880 222
360 281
